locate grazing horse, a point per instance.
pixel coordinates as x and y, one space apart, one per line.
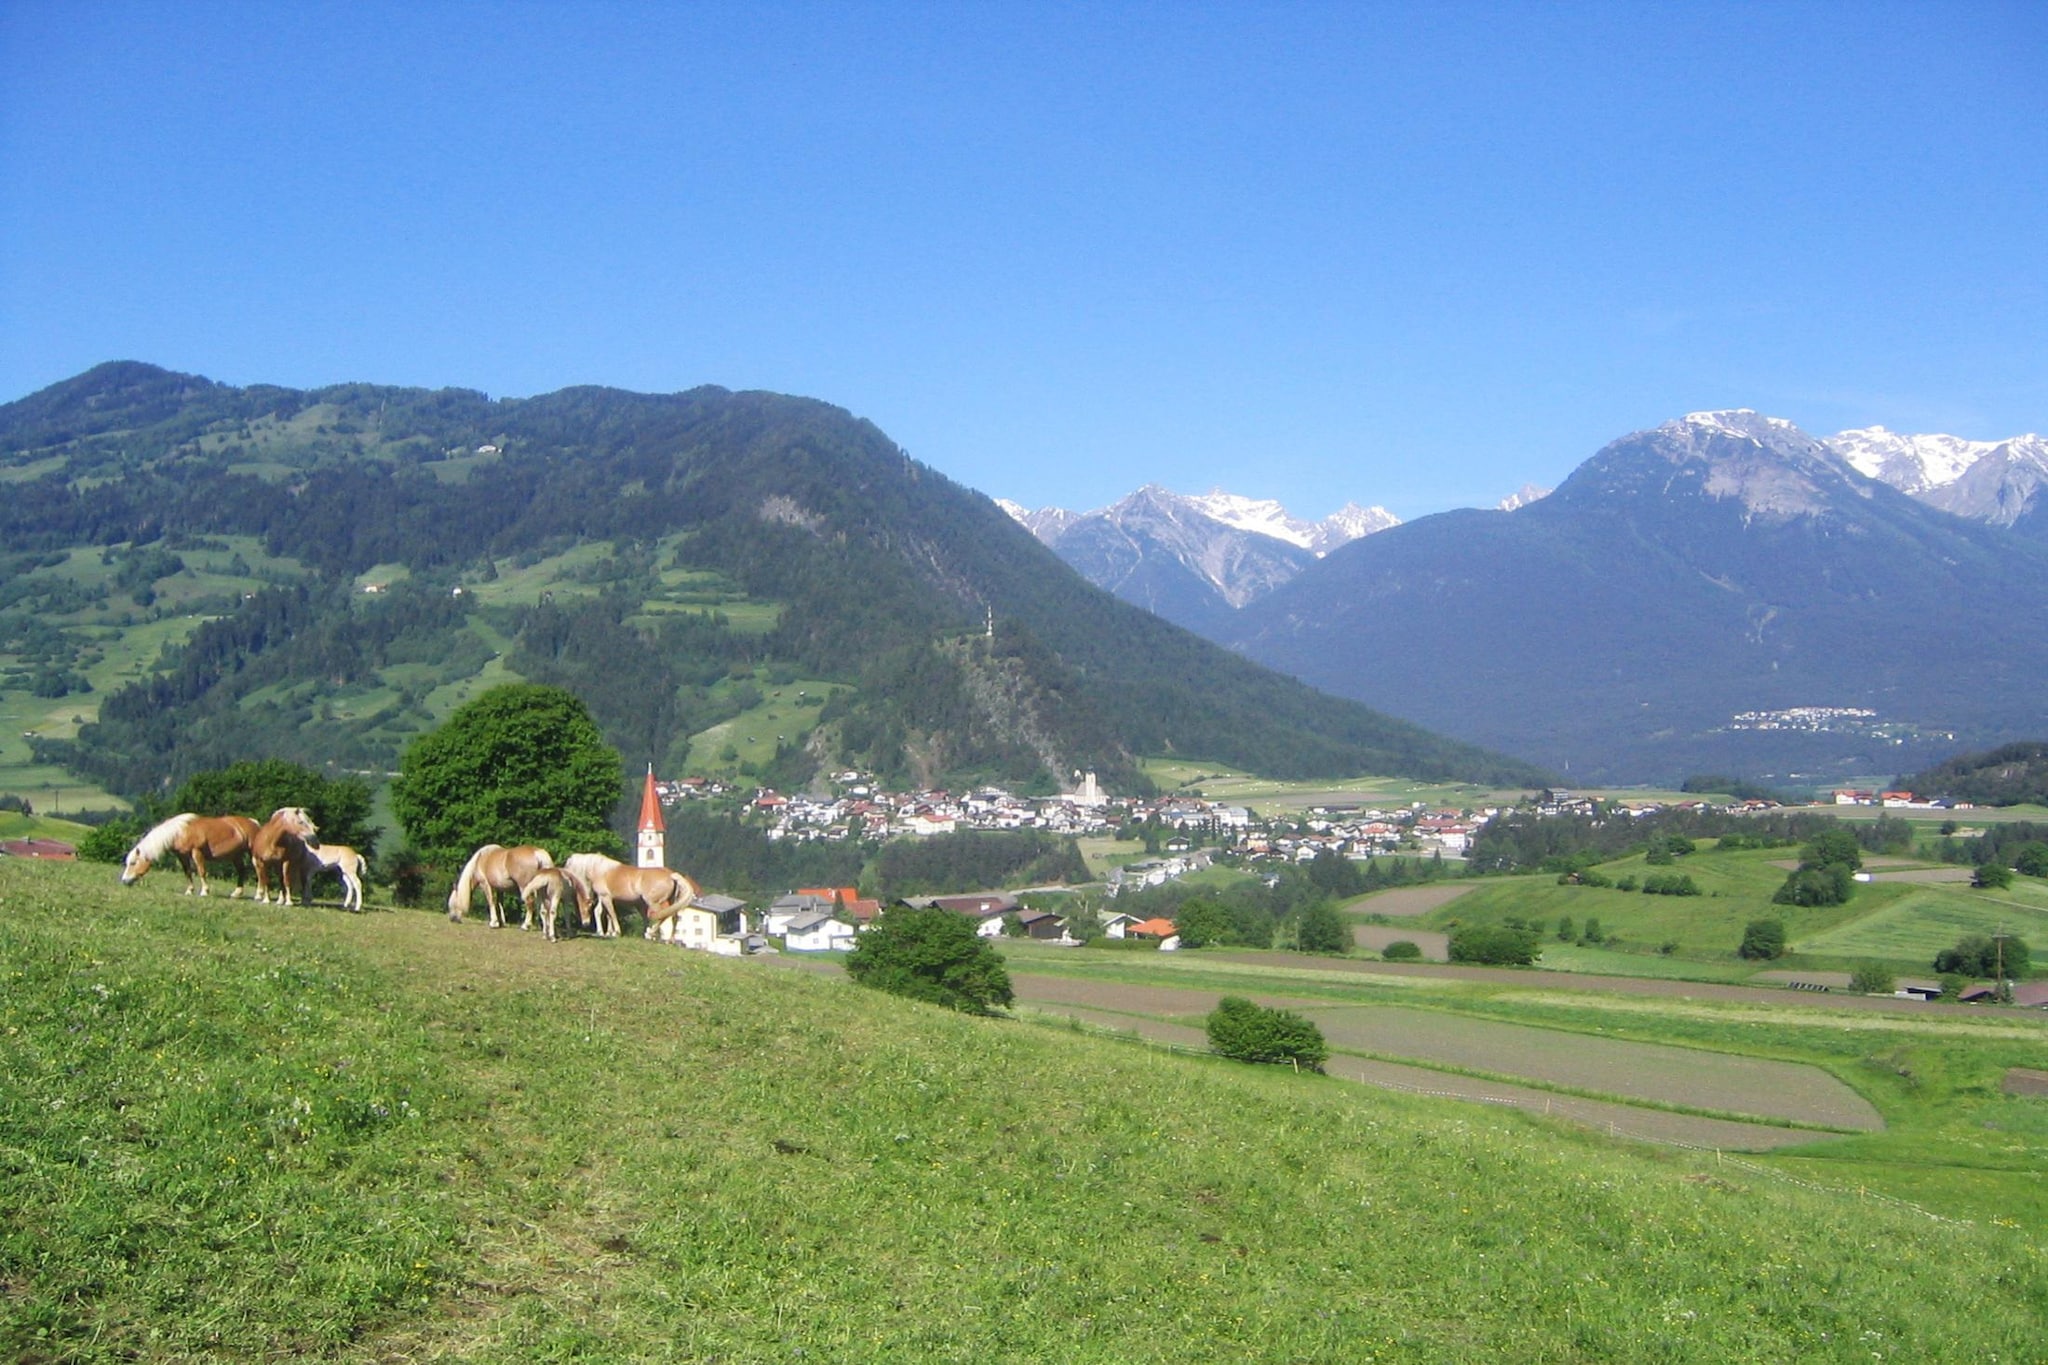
344 862
276 848
546 888
194 838
656 891
496 868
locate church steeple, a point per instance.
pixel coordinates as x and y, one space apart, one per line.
652 846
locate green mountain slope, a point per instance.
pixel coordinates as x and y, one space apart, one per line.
672 558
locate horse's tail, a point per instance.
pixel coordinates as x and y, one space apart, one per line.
683 889
542 858
458 899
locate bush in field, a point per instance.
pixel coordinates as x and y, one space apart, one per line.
1494 944
1323 930
1253 1033
110 842
1873 978
1401 950
1593 933
1982 956
1763 939
1991 877
2032 859
1816 886
1826 871
932 955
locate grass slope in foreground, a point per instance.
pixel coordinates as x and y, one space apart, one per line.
232 1130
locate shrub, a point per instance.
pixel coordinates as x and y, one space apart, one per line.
1872 978
1401 950
1323 930
1983 956
1498 945
2032 859
1254 1033
1763 939
933 955
1991 877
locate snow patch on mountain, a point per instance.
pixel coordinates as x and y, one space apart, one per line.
1522 497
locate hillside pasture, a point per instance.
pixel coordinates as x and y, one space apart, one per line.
785 714
1913 929
238 1131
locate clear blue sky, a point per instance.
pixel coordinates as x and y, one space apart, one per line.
1410 255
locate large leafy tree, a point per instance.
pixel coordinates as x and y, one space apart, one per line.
340 807
932 955
519 764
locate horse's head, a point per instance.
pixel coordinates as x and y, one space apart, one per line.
296 820
134 865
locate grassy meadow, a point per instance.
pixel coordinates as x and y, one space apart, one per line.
232 1130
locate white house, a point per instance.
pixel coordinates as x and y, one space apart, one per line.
818 932
690 927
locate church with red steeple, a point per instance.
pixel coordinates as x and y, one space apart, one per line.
652 847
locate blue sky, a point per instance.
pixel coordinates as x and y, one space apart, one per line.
1409 255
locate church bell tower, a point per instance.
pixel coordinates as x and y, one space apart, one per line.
652 850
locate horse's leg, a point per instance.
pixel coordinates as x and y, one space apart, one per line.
491 899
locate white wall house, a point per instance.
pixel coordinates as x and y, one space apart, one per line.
818 932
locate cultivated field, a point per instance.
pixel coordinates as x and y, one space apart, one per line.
1687 1078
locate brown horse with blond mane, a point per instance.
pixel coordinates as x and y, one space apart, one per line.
494 868
656 891
277 847
194 839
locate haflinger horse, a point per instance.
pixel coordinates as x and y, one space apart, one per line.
656 891
276 847
343 861
496 868
546 888
195 839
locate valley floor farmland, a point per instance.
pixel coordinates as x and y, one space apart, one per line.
231 1131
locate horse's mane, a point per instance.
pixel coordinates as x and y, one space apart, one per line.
590 866
157 842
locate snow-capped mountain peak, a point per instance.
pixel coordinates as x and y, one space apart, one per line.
1911 464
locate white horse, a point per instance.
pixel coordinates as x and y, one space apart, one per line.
344 862
656 891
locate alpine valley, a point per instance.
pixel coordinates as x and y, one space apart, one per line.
738 584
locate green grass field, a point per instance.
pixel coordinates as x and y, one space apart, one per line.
233 1131
785 714
1272 796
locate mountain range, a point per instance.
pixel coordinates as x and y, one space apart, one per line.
745 583
1197 560
1194 559
1719 593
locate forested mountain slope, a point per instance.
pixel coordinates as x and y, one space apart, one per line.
364 556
